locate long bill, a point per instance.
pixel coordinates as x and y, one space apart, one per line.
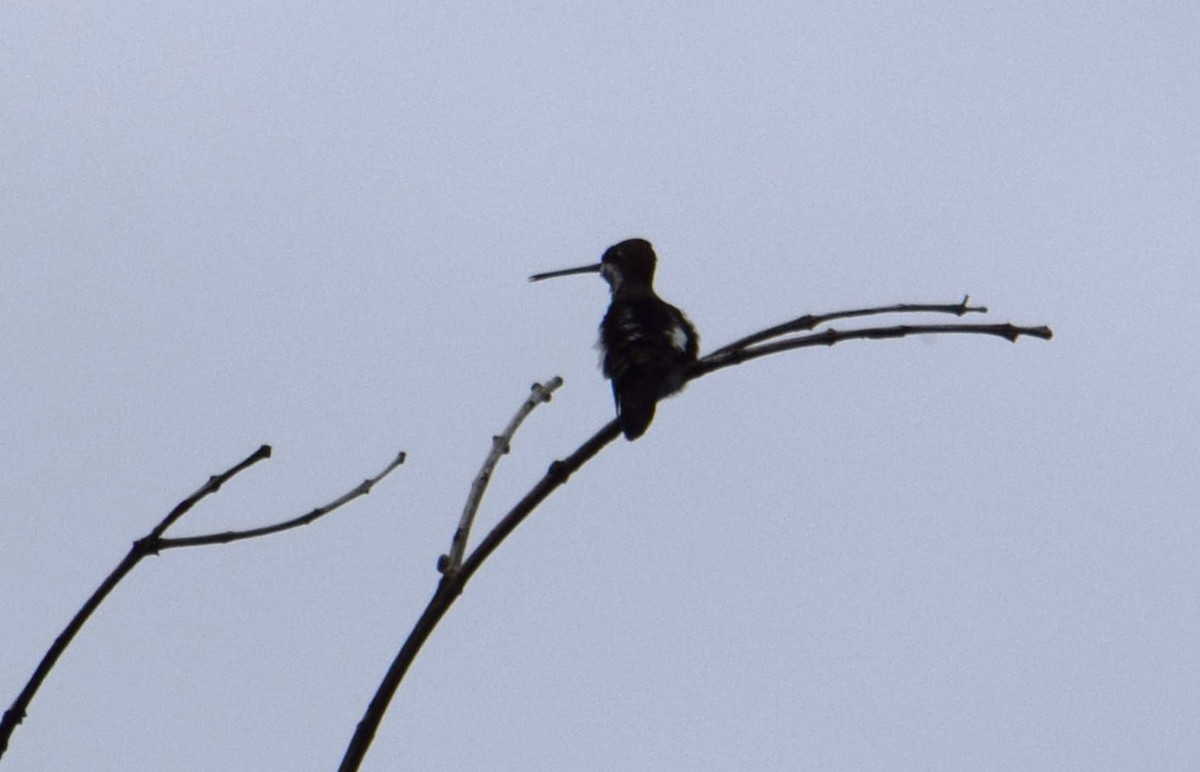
566 272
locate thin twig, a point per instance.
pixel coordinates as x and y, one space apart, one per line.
140 549
212 486
811 321
362 489
830 336
501 444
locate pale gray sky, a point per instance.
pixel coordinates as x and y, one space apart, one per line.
310 225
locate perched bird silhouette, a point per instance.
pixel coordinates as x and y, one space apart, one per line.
647 343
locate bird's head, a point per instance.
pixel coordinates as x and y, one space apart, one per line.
630 262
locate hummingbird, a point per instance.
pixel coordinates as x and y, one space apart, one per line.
646 342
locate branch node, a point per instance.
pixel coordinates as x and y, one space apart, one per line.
558 472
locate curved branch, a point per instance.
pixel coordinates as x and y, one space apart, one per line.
152 544
140 549
811 321
729 356
452 583
362 489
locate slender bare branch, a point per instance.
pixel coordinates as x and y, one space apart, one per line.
152 544
140 549
212 486
362 489
728 356
811 321
501 444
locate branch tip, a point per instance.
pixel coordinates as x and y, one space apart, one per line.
965 308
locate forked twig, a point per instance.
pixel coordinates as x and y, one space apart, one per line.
501 444
729 356
16 712
452 584
152 544
812 321
362 489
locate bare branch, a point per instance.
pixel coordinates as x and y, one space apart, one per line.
728 356
452 583
362 489
501 444
212 486
152 544
811 321
140 549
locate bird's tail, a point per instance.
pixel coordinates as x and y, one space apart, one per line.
637 411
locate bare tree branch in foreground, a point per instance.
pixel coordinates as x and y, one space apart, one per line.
152 544
538 393
454 579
